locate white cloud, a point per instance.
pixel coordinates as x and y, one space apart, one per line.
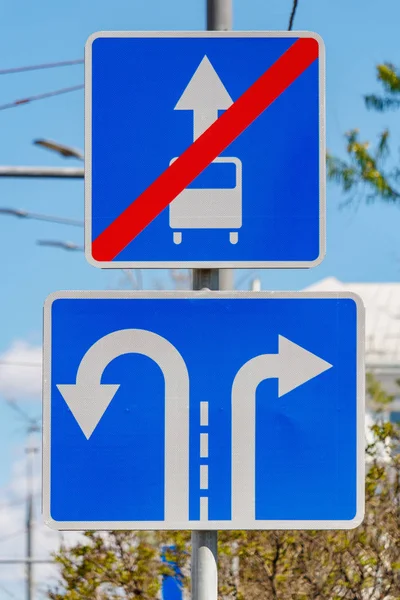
13 510
20 371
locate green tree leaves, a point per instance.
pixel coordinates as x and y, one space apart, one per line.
389 76
365 171
270 565
365 167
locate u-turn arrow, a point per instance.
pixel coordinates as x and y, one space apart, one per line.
88 400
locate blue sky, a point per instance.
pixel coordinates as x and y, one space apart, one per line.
362 244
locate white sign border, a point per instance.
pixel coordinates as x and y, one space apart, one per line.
203 525
203 264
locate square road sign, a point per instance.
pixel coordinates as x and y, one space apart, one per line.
204 149
203 410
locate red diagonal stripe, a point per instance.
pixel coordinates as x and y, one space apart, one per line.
205 149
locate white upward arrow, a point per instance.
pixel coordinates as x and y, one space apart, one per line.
293 366
88 400
205 94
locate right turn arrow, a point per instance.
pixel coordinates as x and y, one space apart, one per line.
292 366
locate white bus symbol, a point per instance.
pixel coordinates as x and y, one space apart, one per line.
209 208
212 207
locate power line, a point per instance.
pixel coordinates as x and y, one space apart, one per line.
19 363
10 536
9 594
32 422
43 172
24 561
292 14
19 502
6 505
65 90
59 244
24 214
63 63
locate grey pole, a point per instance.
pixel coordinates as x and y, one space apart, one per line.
204 573
220 18
204 565
25 561
29 571
47 172
219 15
31 451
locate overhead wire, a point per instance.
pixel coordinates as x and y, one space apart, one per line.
17 502
59 244
10 536
19 363
24 214
32 421
29 99
292 15
63 63
9 594
66 90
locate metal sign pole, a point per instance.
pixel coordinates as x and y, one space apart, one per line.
204 543
219 15
204 565
204 573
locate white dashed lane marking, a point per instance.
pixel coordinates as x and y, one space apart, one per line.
204 454
204 445
204 414
204 477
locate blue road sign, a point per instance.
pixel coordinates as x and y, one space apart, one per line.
172 588
205 149
202 410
